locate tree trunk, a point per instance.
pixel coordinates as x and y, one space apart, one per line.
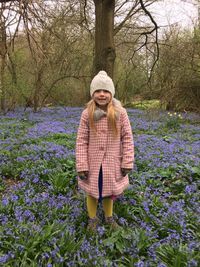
39 59
104 36
38 87
2 84
3 53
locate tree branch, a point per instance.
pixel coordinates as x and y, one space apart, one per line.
150 32
128 16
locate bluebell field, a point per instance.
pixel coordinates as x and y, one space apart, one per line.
43 215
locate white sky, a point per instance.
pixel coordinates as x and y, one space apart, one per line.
175 11
166 12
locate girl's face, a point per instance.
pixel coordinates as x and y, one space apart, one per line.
102 97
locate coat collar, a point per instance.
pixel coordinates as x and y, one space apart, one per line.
99 113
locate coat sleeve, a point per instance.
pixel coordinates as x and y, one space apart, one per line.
127 142
82 142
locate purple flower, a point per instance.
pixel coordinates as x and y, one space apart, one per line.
36 180
132 202
3 219
193 263
14 197
123 221
139 264
5 201
101 231
189 189
157 214
4 258
146 206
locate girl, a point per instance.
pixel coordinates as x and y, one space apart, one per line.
104 149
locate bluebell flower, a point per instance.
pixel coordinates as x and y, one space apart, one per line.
5 201
192 263
4 258
14 197
36 180
161 265
139 264
21 248
101 230
3 219
189 189
123 221
146 206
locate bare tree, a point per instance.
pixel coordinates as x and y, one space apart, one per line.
112 19
105 29
32 16
6 44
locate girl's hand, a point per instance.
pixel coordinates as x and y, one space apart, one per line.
83 175
125 171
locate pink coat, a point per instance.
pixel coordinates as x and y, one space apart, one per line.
102 148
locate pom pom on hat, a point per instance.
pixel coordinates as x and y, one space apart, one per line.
102 81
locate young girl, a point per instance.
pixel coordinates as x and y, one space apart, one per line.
104 149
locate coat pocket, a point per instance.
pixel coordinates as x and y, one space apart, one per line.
118 172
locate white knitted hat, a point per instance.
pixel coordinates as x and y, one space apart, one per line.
102 81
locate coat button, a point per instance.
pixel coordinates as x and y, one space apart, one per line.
101 148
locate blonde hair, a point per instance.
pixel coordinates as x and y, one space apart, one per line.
111 115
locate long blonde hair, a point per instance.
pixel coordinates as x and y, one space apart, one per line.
111 115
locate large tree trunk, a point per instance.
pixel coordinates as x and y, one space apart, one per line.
104 36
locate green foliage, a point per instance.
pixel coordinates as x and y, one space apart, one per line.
176 77
63 182
145 104
44 215
32 247
173 120
177 256
118 241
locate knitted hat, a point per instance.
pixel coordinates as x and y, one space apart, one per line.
102 81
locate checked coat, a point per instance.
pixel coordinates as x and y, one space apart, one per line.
94 149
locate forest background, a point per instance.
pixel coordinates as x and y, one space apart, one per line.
50 50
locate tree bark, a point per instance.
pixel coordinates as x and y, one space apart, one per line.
104 36
2 84
38 87
3 53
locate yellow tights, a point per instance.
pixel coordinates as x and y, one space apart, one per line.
92 206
